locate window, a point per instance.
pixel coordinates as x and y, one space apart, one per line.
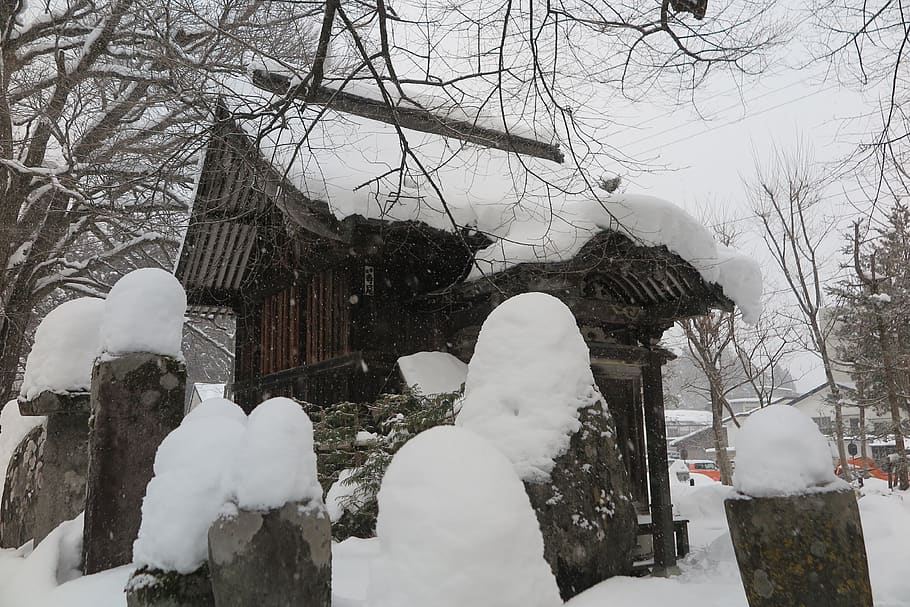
280 331
328 316
825 424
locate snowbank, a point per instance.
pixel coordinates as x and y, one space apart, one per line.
189 489
433 372
536 210
13 428
144 313
780 451
529 376
66 344
456 528
276 462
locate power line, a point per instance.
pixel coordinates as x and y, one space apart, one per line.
726 124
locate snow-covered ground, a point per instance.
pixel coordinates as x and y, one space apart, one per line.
709 577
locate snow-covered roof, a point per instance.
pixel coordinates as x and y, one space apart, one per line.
533 210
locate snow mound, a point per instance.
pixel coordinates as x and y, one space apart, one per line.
780 451
144 313
276 463
66 344
217 407
433 372
189 489
13 428
456 528
529 376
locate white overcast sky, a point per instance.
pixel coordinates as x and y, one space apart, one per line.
709 153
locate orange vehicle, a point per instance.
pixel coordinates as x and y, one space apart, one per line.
706 467
856 466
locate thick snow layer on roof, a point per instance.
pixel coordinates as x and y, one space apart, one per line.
13 428
688 416
535 209
780 451
66 344
433 372
276 463
529 376
456 528
144 313
190 487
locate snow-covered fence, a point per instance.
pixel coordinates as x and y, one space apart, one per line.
138 387
530 391
795 526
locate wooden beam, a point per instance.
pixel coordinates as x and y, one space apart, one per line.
659 480
413 118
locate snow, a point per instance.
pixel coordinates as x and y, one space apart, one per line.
144 313
13 428
190 487
529 376
709 576
456 528
780 451
276 463
66 344
433 372
688 416
535 210
340 491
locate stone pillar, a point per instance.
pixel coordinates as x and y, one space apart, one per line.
276 557
585 510
658 465
64 460
17 508
137 399
800 549
156 588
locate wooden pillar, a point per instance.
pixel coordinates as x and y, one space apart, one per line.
656 433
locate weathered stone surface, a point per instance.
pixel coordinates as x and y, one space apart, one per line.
585 511
802 550
137 399
280 558
156 588
17 508
60 490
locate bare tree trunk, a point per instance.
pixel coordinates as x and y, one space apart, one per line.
891 390
722 456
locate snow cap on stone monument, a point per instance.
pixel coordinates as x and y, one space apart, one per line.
144 313
528 378
66 343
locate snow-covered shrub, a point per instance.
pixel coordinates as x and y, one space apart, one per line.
528 378
66 344
352 469
456 528
144 313
780 451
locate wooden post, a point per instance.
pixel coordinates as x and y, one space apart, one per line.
655 431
